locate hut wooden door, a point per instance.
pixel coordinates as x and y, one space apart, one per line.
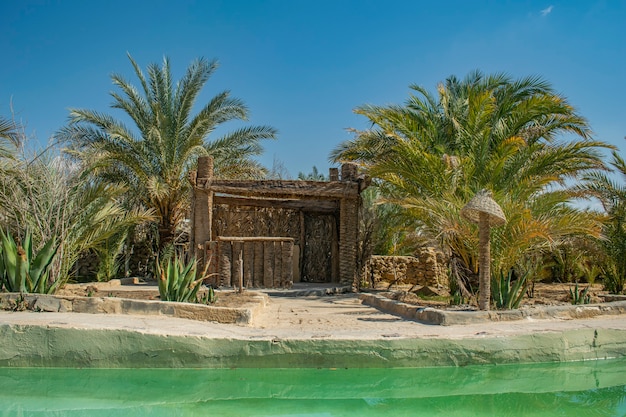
319 252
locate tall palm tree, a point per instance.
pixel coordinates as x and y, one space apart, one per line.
153 160
483 132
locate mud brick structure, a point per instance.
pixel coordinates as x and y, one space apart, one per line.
427 267
271 233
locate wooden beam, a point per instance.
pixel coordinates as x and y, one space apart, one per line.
285 189
321 206
253 239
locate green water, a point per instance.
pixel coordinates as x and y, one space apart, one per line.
596 388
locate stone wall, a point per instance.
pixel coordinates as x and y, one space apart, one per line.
426 268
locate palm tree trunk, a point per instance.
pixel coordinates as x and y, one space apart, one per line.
167 233
484 260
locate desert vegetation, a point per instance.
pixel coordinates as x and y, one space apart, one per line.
105 189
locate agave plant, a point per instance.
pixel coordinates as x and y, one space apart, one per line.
22 272
507 294
178 279
581 296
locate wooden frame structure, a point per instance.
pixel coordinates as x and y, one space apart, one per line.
236 259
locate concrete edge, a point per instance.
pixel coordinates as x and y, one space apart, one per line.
50 346
428 315
115 305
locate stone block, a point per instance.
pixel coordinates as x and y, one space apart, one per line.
48 303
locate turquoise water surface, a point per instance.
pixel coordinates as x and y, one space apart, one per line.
595 388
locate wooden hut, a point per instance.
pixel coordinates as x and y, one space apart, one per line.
271 233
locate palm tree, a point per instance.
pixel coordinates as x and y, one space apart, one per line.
611 192
153 161
483 132
314 175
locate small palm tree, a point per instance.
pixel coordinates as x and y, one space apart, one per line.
611 192
314 175
154 159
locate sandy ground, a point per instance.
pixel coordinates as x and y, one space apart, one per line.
313 317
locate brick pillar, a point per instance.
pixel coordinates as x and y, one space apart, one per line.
333 174
349 171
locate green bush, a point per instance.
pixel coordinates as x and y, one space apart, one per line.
507 295
22 272
178 279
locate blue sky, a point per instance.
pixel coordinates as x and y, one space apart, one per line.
302 66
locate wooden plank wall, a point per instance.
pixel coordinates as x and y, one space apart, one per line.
253 262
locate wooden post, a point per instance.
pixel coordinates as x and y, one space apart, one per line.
202 208
268 264
211 256
297 255
302 244
257 275
237 258
239 268
248 264
287 257
334 251
278 264
225 262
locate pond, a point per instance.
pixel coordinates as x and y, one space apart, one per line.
592 388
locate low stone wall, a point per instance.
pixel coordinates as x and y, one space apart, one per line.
433 316
426 268
109 305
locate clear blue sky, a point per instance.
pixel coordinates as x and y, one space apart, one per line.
302 66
